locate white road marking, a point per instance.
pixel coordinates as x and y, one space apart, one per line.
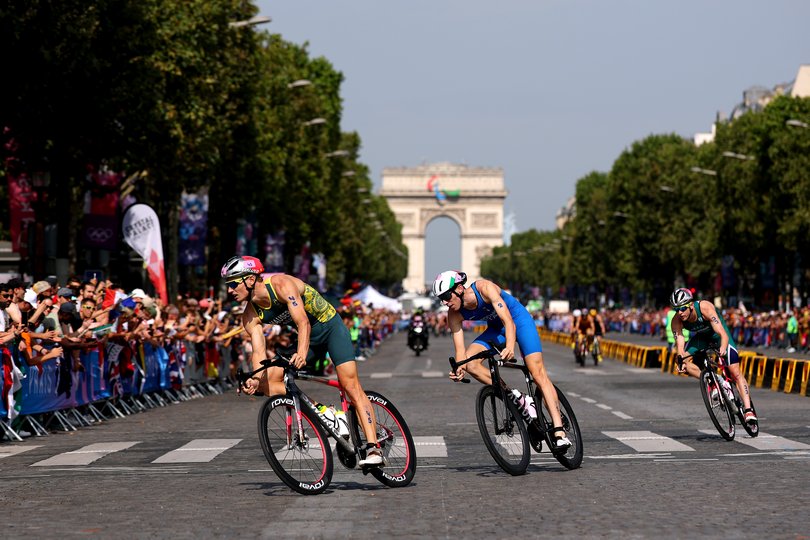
432 374
198 451
641 370
381 375
622 415
14 450
603 406
685 460
647 441
430 447
85 455
588 400
573 394
765 441
631 456
592 371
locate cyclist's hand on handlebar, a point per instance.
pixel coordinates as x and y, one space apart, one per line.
507 353
298 361
723 353
250 386
681 364
459 374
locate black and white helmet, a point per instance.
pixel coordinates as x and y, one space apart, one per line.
680 298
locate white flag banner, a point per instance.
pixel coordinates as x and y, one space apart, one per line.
141 229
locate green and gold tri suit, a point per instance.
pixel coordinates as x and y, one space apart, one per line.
702 335
328 333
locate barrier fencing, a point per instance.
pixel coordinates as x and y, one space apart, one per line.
111 380
788 375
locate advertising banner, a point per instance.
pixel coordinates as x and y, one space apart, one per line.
141 229
21 198
193 227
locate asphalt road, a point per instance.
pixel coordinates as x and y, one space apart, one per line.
653 467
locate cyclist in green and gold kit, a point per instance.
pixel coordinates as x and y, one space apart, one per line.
283 299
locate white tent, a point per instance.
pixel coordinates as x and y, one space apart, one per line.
372 296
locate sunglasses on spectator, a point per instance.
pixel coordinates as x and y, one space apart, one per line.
88 306
681 309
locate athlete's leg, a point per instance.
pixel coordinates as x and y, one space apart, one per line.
347 376
537 369
738 377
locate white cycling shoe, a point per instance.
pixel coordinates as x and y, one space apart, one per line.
563 443
374 458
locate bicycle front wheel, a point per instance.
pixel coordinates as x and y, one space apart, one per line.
572 457
302 460
720 413
503 430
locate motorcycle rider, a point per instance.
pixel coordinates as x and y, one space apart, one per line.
417 321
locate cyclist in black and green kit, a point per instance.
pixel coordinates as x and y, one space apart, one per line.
283 299
706 328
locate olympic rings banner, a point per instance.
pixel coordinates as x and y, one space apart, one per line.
141 229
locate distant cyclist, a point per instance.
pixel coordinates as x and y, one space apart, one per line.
598 332
282 299
706 328
508 323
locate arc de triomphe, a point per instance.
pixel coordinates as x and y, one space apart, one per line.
471 196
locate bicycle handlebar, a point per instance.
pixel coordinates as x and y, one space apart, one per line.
278 361
488 353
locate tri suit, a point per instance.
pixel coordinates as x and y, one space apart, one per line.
328 333
702 335
526 331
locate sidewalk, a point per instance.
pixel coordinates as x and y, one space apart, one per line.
771 352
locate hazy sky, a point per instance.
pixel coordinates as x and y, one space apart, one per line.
547 90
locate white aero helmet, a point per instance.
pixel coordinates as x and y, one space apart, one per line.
447 281
577 313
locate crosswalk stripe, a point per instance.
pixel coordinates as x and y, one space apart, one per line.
622 415
432 447
765 441
198 451
85 455
647 441
14 450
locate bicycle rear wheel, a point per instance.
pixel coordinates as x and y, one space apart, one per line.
572 457
719 411
303 463
396 442
503 430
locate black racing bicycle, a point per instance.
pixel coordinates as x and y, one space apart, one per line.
509 433
293 434
720 393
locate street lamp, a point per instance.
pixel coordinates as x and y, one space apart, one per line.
348 173
337 153
797 123
362 190
735 155
299 83
668 189
621 214
707 172
253 21
315 122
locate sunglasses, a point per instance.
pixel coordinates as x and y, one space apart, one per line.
88 306
446 296
233 284
681 309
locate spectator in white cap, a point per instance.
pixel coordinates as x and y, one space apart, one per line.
138 293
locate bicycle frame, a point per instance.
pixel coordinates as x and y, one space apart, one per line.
299 396
501 387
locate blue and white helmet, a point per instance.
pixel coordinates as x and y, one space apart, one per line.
447 281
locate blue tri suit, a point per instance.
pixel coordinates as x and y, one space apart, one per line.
525 330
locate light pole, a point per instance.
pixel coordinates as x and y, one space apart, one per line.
797 123
300 83
735 155
315 122
253 21
707 172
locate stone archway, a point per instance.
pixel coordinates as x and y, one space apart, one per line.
471 196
